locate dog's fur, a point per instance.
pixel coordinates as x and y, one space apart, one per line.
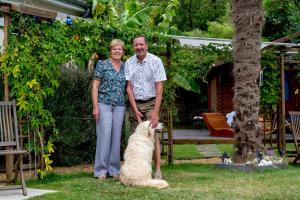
136 169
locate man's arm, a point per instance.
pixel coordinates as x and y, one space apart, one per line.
132 102
154 116
95 87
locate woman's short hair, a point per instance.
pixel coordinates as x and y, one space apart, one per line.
115 42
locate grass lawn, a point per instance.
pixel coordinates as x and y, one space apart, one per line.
189 151
187 181
186 151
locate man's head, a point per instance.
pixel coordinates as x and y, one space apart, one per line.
140 46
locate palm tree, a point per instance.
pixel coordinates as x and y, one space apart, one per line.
247 17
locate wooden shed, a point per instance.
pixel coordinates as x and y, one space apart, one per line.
220 78
220 84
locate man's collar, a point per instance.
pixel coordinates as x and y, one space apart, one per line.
144 60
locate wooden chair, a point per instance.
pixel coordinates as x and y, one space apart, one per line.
217 125
295 123
9 143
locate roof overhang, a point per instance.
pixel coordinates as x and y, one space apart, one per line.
201 41
48 8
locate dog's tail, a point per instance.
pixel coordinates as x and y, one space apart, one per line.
155 183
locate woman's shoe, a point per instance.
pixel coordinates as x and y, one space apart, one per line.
102 177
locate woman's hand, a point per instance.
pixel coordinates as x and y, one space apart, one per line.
96 114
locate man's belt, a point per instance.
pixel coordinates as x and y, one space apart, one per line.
144 101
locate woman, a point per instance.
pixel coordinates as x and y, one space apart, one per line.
108 96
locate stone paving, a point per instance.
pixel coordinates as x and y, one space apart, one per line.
209 150
206 150
18 194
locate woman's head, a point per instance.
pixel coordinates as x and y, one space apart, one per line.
115 42
116 49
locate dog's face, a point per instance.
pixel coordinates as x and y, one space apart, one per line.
145 129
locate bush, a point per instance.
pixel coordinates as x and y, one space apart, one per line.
72 110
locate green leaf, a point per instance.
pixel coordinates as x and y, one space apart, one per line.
184 81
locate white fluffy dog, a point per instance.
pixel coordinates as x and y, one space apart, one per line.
136 169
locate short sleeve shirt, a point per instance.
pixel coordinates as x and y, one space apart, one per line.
112 83
143 75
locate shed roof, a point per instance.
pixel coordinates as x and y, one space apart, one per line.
200 41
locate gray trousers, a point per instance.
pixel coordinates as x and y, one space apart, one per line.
108 129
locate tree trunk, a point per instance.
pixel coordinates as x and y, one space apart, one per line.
247 17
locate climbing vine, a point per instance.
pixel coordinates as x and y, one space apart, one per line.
269 91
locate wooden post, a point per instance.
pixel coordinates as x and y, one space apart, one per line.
9 158
170 136
281 119
170 115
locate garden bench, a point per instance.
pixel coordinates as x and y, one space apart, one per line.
217 125
295 123
9 143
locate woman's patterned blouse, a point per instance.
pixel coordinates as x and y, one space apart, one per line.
112 83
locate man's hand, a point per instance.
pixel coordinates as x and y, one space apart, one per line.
139 116
153 119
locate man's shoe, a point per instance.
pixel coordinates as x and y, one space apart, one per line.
158 175
116 177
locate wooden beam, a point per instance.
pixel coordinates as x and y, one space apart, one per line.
281 119
288 38
204 141
28 10
292 61
9 158
5 45
274 141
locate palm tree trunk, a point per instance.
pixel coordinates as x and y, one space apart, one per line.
247 17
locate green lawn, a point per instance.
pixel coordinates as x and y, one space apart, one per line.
185 151
187 181
189 151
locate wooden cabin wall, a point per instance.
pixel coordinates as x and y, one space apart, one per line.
225 103
212 94
220 89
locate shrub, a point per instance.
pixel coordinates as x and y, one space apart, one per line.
72 110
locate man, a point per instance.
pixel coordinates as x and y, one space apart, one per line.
145 74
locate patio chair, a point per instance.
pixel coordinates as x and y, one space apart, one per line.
9 143
295 123
217 125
